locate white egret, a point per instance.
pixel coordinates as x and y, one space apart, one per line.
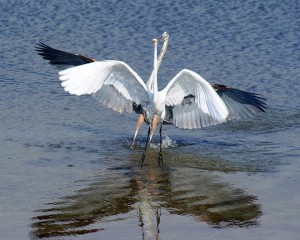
144 116
62 58
188 101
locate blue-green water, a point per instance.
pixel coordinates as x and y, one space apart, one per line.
66 171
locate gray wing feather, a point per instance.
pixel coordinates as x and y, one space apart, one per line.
241 104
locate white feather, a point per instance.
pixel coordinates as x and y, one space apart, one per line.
125 86
208 108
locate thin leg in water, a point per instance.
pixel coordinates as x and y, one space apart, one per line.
150 135
145 149
160 157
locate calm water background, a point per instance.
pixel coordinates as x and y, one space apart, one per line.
66 171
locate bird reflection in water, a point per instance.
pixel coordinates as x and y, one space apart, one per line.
147 194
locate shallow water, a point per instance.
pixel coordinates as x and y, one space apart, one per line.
66 169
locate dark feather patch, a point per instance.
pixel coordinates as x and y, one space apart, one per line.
62 58
243 97
188 100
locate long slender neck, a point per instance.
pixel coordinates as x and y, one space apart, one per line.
163 51
160 57
155 89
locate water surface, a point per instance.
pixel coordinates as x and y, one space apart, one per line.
66 171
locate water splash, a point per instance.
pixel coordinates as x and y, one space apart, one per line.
167 142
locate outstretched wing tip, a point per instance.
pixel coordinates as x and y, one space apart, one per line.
60 58
241 104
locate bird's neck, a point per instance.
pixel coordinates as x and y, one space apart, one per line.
159 59
155 88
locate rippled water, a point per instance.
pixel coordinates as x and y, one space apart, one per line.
66 171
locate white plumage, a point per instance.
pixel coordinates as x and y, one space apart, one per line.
188 101
206 109
114 79
118 86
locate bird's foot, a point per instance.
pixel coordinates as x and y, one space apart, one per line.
132 145
160 159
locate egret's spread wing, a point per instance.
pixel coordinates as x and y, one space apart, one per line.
113 83
241 104
195 103
61 58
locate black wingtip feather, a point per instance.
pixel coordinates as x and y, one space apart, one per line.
59 57
243 97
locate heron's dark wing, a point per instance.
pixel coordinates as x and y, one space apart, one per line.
241 104
61 58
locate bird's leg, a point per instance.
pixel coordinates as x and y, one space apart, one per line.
149 136
153 126
146 145
138 125
160 158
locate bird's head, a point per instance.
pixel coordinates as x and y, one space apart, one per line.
164 36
